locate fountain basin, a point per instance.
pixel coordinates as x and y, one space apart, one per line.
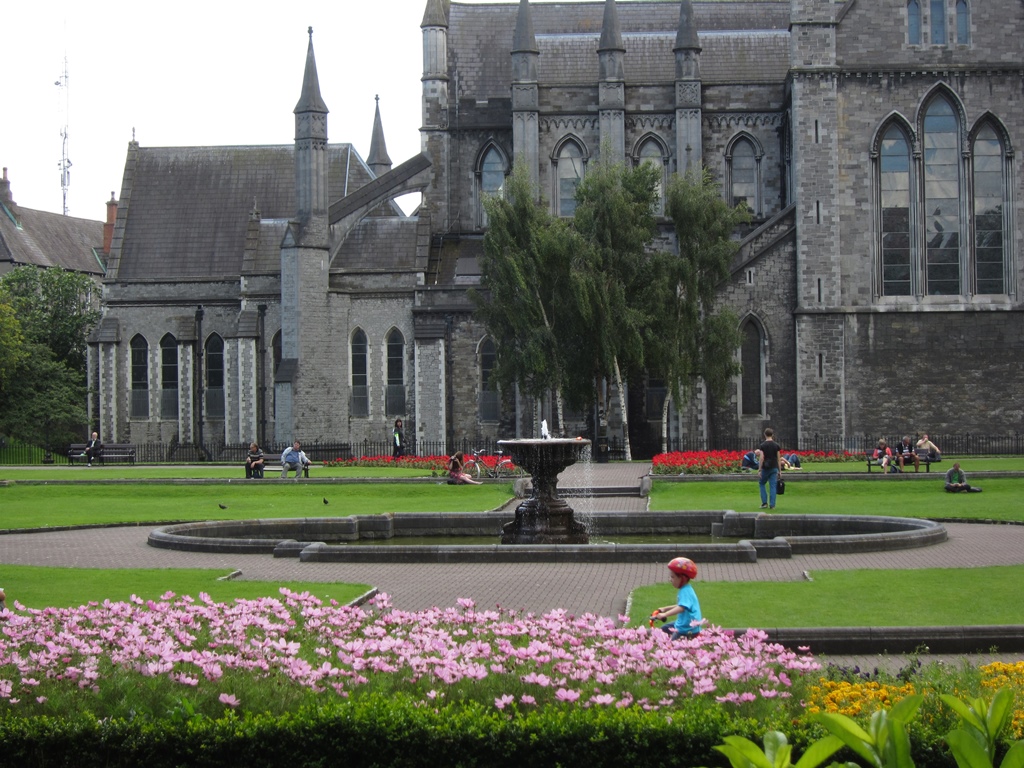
761 536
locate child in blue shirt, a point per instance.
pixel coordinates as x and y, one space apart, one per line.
687 607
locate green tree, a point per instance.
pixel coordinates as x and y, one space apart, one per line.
54 309
528 285
614 216
695 342
44 403
12 342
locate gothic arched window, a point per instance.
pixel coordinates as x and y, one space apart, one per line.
214 371
989 204
742 162
914 22
490 179
937 10
752 373
395 400
490 409
569 171
360 404
941 167
963 23
139 408
168 377
653 154
895 209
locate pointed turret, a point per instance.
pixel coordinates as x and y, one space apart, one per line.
434 125
310 100
689 144
525 95
612 85
378 159
310 144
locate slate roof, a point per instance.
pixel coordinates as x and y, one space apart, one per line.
188 209
380 244
480 42
44 239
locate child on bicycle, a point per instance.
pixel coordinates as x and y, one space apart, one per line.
457 470
686 608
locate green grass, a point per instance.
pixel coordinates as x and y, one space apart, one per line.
80 472
863 598
882 495
968 464
36 506
39 587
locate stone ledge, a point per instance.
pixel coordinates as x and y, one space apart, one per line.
852 641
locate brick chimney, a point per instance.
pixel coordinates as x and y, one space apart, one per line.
108 227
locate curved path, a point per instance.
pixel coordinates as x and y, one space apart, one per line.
600 588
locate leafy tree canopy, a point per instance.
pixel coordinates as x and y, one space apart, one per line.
12 342
43 405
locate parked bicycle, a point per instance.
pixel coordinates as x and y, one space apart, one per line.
478 466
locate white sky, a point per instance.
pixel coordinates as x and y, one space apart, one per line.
192 73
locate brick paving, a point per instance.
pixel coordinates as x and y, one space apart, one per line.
600 588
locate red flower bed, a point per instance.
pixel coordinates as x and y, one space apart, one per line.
724 462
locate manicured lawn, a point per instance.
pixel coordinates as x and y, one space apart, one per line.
38 587
881 495
36 506
198 471
903 598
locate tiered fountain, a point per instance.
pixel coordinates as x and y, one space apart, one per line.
544 518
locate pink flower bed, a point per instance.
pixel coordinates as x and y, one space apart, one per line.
525 660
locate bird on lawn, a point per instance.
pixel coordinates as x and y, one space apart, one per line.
326 501
223 506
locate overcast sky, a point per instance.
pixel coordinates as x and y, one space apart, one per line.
192 73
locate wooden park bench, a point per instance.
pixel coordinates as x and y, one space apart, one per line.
924 458
110 452
274 459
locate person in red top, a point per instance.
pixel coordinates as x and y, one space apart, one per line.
883 454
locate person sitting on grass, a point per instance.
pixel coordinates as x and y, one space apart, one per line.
687 607
751 460
457 470
790 460
956 481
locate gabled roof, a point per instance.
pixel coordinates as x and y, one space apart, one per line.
480 41
44 239
187 210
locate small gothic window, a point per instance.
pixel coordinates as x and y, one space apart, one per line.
895 225
651 154
914 22
942 198
489 403
395 404
963 23
752 375
989 200
140 377
569 174
938 14
168 377
214 371
360 405
743 174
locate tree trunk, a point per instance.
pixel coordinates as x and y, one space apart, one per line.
625 413
664 421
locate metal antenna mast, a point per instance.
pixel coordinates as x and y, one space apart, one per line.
65 163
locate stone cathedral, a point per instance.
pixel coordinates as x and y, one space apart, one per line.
276 292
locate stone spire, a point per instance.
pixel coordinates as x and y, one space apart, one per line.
689 144
612 85
610 50
310 144
525 96
378 159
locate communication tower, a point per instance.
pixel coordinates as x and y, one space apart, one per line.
65 163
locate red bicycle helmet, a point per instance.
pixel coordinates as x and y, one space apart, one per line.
684 566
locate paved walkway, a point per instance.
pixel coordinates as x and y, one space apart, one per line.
600 588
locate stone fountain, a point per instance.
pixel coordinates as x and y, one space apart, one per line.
544 518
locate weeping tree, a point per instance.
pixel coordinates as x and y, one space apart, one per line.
614 217
697 342
528 288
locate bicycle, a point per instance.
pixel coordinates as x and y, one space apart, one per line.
503 467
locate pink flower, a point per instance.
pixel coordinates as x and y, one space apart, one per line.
565 694
504 701
229 699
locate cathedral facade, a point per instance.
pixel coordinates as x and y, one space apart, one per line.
276 292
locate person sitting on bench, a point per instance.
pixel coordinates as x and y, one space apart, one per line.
93 449
883 455
254 462
934 454
905 453
294 459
